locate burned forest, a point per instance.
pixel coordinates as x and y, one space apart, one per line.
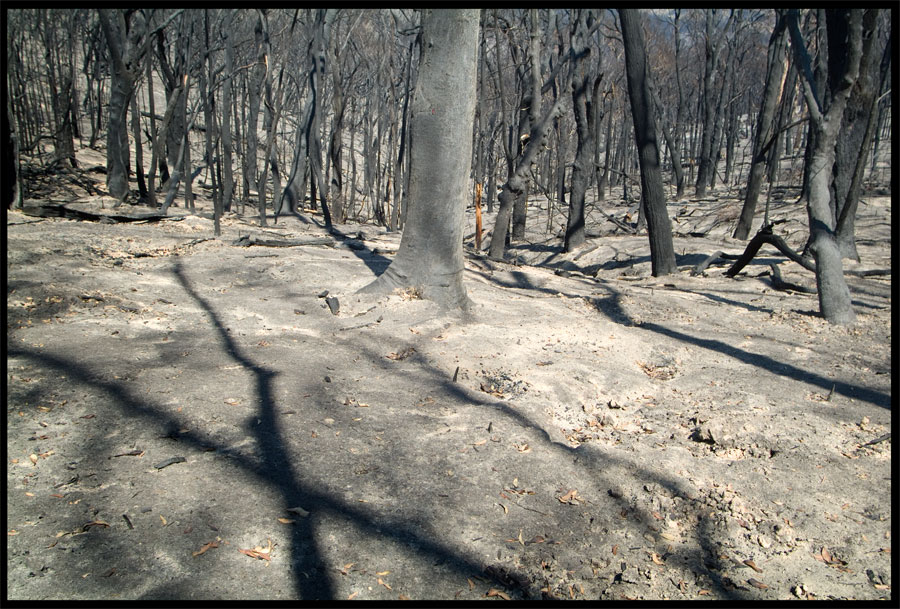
448 304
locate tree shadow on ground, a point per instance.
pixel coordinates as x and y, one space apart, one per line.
706 560
610 306
278 471
376 262
276 468
775 367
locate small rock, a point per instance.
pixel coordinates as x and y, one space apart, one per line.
799 591
763 541
333 304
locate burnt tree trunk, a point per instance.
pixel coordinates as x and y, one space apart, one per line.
430 257
584 92
844 37
659 228
857 129
765 131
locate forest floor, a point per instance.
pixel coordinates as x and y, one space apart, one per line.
187 418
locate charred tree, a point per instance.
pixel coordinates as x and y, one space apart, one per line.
826 109
430 257
659 228
765 124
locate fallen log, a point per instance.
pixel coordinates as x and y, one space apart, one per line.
62 210
248 240
765 235
705 263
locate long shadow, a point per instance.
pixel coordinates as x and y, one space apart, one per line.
521 281
275 468
732 303
774 366
377 263
611 307
708 558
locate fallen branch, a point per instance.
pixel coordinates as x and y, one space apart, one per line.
248 240
705 263
765 235
51 210
886 436
869 273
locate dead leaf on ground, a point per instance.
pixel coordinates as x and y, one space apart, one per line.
259 552
656 559
571 498
232 401
352 596
299 511
208 546
495 592
286 521
752 565
757 584
346 568
382 583
826 557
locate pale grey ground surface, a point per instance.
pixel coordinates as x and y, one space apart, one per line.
611 437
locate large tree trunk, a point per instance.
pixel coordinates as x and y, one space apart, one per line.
662 252
12 181
765 132
844 49
713 43
679 113
120 92
227 145
138 148
430 257
856 131
121 89
316 56
584 91
520 204
255 84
